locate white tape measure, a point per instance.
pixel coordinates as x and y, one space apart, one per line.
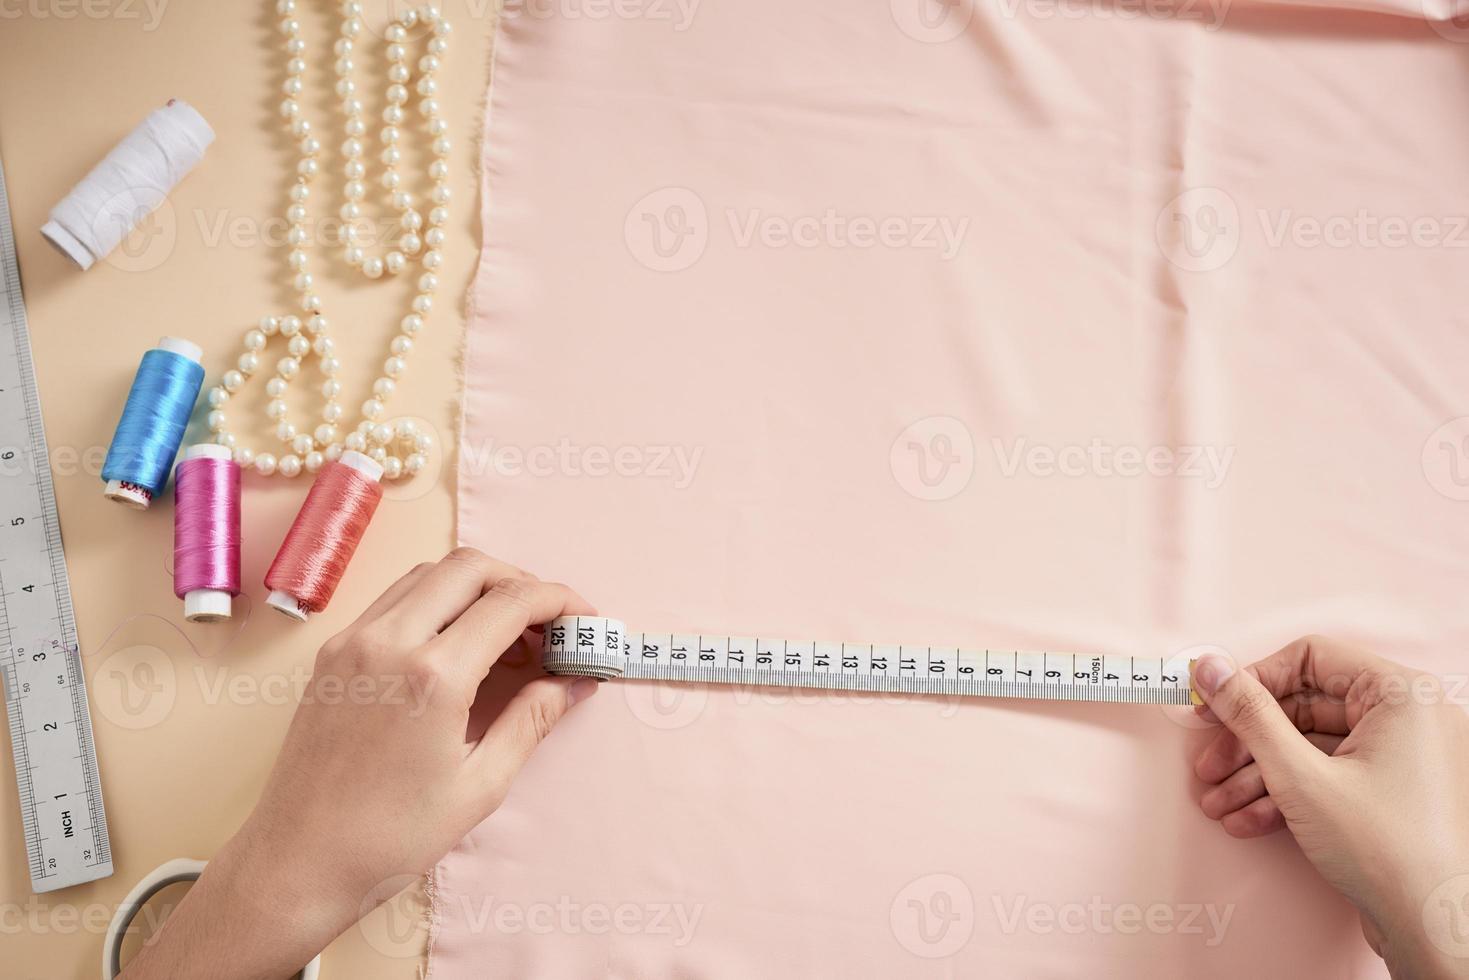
594 646
45 694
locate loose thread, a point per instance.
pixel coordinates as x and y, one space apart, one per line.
326 532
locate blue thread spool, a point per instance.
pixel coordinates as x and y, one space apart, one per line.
153 421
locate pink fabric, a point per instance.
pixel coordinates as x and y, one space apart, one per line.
1136 267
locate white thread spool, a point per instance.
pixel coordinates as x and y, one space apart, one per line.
131 494
283 601
129 183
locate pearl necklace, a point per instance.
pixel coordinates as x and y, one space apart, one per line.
399 447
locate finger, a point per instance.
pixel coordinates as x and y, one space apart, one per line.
448 588
1247 784
388 599
1311 712
1256 820
523 725
1318 663
498 619
1251 712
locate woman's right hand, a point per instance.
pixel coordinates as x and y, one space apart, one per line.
1366 762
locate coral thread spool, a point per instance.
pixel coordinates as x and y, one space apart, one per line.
153 420
206 533
326 532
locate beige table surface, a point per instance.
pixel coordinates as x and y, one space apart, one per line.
188 718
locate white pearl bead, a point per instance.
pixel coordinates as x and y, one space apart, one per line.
429 108
373 267
398 73
434 237
391 155
332 412
428 63
303 282
355 441
415 463
439 169
356 127
411 220
432 259
411 324
396 52
397 95
216 421
232 380
395 34
296 259
378 455
350 211
354 190
390 179
426 86
302 444
372 408
381 434
226 439
442 193
275 409
330 389
325 434
218 396
401 345
285 431
410 243
248 363
313 462
354 256
329 366
428 282
423 442
244 455
438 45
394 366
438 216
423 303
287 367
323 346
299 346
290 326
307 168
276 387
333 452
392 468
296 235
316 325
394 261
342 47
270 325
290 465
265 464
311 302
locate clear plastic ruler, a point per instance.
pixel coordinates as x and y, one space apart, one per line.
45 693
595 646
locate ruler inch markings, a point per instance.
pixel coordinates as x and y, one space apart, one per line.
62 811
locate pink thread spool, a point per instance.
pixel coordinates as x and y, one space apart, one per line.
206 533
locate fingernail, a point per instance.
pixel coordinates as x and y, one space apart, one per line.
1212 671
581 690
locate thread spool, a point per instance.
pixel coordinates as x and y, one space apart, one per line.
152 426
129 183
326 532
206 533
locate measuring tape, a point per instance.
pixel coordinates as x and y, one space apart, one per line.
45 693
594 646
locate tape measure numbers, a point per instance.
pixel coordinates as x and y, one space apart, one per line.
594 646
45 693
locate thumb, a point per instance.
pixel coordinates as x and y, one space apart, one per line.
1253 715
524 723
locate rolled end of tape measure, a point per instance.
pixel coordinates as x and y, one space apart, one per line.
584 646
287 604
